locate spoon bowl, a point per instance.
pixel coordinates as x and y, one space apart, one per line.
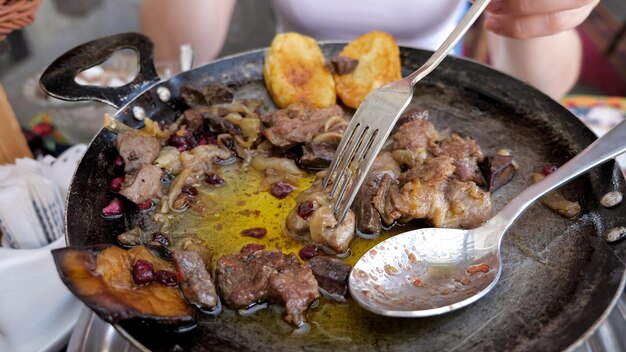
425 272
432 271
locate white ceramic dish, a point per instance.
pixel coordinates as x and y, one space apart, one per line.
38 312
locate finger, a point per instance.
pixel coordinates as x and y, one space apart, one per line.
536 7
525 27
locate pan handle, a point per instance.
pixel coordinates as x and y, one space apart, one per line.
58 79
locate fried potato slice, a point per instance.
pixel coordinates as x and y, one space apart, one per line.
379 63
294 72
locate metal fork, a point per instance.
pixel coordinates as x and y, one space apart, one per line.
373 120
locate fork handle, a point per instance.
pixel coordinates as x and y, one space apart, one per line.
470 17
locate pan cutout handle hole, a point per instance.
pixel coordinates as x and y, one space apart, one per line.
118 70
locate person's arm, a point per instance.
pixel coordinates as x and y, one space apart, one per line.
534 40
201 23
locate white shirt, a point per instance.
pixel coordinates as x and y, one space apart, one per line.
414 23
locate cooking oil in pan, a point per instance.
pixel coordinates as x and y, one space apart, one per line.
243 204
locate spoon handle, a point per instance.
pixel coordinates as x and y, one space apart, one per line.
605 148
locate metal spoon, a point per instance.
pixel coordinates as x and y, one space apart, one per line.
432 271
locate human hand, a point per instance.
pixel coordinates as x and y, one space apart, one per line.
524 19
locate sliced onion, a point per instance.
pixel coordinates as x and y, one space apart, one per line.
303 329
332 296
314 304
213 311
345 254
282 165
367 236
253 308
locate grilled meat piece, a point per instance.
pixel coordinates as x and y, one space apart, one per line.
142 184
194 279
251 277
466 154
317 155
384 200
429 192
298 124
342 65
217 93
136 148
331 274
196 117
325 231
498 171
468 205
414 135
411 115
367 217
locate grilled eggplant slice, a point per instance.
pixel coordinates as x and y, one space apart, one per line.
101 276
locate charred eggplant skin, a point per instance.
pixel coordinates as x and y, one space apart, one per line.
109 295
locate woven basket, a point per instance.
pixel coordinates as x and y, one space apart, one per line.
16 14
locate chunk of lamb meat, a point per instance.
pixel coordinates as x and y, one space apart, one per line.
384 200
331 275
299 124
411 115
317 155
313 221
196 117
137 148
466 154
429 192
245 279
468 205
142 184
194 279
368 219
328 233
415 135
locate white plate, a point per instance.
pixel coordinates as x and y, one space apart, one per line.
38 311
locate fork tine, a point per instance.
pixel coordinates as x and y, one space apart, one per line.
362 146
340 153
363 158
345 159
342 190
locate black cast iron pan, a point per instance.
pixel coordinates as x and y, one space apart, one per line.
560 278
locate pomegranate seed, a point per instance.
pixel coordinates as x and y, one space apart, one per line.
161 239
251 248
177 141
145 205
119 161
308 252
116 184
305 209
281 190
211 140
190 190
256 232
166 278
548 169
143 272
115 207
214 179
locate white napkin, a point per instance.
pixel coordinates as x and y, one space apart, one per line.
32 199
